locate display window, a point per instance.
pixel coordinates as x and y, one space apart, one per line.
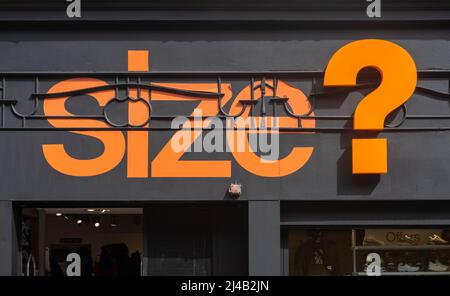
369 251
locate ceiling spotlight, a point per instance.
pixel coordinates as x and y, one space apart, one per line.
58 214
105 210
79 221
97 222
90 210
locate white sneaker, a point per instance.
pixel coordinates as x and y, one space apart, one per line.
407 240
437 266
405 267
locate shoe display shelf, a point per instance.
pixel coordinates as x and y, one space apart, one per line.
406 247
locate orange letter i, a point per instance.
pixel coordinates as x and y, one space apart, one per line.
137 141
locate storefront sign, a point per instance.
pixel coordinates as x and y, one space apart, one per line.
369 156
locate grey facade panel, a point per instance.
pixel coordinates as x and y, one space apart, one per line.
365 213
264 238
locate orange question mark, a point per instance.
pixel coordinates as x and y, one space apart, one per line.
399 77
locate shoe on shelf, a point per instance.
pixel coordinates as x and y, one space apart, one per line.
436 240
405 267
371 241
406 239
390 266
437 266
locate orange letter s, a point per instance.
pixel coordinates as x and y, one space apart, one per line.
113 141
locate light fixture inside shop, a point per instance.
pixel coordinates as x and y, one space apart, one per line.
58 214
97 222
79 221
90 210
105 210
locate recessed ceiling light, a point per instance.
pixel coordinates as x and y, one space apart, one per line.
96 221
105 210
79 221
59 214
90 210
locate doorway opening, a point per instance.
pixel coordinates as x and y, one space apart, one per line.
85 241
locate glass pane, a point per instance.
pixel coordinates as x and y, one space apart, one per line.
320 252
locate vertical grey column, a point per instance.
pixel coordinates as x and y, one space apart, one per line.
41 241
8 240
264 238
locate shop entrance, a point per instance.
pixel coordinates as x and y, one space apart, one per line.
155 239
108 241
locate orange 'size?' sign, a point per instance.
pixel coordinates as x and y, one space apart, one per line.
399 77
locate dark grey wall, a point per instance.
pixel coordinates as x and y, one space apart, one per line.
208 48
365 213
419 164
